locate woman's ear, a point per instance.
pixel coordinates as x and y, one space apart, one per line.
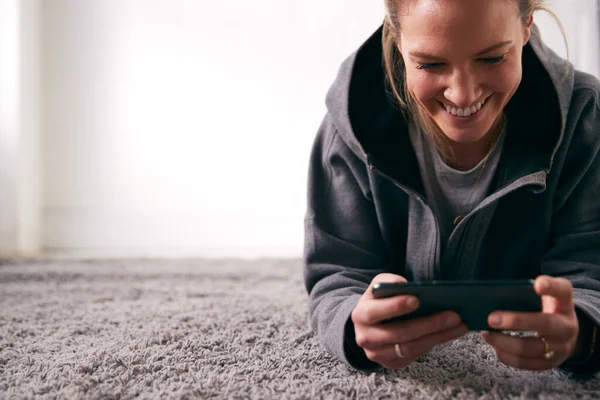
527 31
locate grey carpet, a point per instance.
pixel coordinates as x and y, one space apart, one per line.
121 329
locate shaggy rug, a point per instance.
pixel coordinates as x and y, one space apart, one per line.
121 329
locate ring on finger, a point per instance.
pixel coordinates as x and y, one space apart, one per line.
398 351
548 354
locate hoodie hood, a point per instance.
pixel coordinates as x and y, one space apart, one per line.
364 115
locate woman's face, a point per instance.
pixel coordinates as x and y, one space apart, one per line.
463 61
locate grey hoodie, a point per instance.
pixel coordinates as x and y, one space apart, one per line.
368 213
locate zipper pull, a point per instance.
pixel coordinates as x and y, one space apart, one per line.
372 168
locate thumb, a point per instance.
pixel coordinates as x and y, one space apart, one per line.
383 278
556 293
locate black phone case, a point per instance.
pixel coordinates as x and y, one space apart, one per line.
472 300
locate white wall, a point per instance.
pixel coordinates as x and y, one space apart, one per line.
185 126
9 121
29 184
580 20
19 149
178 127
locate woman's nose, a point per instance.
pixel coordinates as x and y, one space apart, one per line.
463 89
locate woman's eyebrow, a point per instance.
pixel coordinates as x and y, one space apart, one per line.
494 47
425 56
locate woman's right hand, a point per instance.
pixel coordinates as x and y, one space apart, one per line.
414 337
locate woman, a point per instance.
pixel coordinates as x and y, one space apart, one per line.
471 151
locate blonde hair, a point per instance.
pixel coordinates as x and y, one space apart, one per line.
395 70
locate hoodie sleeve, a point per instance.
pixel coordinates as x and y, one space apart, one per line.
343 248
575 238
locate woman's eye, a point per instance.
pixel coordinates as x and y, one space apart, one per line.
494 60
429 66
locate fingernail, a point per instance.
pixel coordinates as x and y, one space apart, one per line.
495 320
544 284
412 302
452 320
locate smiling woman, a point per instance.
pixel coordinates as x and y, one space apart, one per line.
465 58
470 153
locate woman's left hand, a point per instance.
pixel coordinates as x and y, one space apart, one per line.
556 328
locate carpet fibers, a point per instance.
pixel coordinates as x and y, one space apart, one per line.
122 329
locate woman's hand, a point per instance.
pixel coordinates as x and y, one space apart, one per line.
396 344
556 328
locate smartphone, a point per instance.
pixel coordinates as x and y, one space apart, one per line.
472 300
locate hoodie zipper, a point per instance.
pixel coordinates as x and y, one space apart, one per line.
518 184
527 180
431 272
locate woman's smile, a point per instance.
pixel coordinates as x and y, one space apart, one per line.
464 114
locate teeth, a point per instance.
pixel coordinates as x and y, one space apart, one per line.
466 112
